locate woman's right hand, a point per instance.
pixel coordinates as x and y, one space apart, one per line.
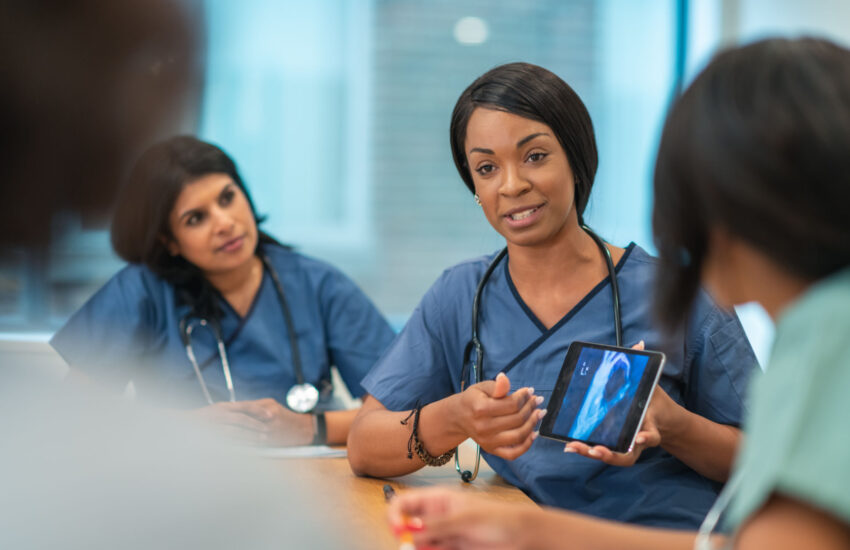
261 421
501 422
230 420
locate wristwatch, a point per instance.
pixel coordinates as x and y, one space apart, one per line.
320 429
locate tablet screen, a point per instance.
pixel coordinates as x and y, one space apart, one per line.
601 395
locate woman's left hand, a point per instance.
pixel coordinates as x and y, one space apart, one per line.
662 409
648 436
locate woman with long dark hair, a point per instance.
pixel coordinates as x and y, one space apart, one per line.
216 315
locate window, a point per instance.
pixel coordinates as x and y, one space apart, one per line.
337 113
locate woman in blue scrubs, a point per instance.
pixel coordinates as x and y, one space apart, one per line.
212 314
523 143
753 182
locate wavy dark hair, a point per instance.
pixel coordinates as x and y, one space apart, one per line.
759 145
538 94
140 224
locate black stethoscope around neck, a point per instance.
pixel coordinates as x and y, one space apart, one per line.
477 347
301 398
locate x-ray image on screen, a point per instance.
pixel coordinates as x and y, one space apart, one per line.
599 396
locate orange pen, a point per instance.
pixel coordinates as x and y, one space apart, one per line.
404 533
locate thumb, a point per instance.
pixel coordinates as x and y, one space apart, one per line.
639 346
648 438
503 386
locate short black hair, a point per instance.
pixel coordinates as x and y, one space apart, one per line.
759 145
538 94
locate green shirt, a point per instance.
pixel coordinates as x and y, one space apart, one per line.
797 437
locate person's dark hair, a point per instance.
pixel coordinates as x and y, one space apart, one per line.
531 92
84 86
140 224
758 145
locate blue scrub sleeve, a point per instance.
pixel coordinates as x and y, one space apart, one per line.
357 332
106 337
721 363
415 368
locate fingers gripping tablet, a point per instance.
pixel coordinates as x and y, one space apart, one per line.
602 395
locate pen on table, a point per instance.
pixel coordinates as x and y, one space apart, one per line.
405 536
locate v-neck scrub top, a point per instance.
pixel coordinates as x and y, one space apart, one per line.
706 371
129 330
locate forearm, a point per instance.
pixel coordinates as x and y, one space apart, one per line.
787 523
707 447
558 529
378 441
338 425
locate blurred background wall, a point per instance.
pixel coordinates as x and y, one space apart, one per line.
337 112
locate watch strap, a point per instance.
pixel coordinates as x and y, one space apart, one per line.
320 429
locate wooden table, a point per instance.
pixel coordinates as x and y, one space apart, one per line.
358 502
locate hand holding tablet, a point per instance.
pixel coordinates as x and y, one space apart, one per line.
602 398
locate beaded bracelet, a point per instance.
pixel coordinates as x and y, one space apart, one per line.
413 444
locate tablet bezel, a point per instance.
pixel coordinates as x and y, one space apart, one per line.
639 405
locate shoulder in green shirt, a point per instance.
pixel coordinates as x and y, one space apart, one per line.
797 440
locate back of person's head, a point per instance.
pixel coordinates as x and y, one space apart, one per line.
759 146
140 225
83 87
537 94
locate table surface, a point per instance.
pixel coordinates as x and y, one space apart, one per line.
360 500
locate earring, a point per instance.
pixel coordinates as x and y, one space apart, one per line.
477 199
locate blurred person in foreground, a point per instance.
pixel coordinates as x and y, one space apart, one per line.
83 87
752 198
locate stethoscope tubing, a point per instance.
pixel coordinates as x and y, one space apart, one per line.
476 345
714 515
615 287
290 323
187 327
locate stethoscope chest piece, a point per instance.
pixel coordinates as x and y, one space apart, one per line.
302 398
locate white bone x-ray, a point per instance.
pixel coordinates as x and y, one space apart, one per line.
597 404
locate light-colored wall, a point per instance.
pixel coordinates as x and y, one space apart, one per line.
761 18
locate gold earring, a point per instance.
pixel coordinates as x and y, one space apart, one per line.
477 200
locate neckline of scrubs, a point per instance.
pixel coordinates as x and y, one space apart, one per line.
546 333
242 321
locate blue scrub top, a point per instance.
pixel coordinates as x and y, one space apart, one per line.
707 371
129 330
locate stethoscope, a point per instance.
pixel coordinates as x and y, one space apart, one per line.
301 398
476 345
712 518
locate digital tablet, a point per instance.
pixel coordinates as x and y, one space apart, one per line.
601 395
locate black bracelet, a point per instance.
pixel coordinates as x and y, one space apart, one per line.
320 433
414 444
